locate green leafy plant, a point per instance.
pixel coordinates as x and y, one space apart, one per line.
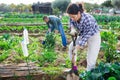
111 78
104 71
6 36
54 72
109 42
5 42
47 56
4 45
4 55
49 41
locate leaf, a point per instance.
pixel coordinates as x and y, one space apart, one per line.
111 78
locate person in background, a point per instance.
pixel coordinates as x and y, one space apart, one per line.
89 32
54 25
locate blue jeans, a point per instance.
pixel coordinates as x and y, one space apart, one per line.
63 37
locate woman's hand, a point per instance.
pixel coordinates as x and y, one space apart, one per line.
73 31
77 47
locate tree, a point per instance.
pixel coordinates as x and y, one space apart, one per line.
12 6
61 4
21 8
29 7
56 11
89 7
107 3
116 3
4 8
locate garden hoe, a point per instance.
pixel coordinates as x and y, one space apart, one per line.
73 73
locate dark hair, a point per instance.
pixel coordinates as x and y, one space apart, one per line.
74 8
45 17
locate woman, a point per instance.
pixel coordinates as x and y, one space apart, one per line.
89 33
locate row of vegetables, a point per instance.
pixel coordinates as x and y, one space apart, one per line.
108 70
10 45
105 21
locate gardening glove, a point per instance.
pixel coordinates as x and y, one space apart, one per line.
73 31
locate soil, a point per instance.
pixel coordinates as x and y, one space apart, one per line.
23 71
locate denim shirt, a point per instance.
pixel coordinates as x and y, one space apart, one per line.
53 22
87 27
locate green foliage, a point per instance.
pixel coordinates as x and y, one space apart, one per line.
5 42
23 20
67 63
54 72
106 19
20 28
109 41
61 4
49 41
111 78
4 45
89 7
104 71
4 55
34 48
6 36
107 3
56 11
22 16
116 3
47 56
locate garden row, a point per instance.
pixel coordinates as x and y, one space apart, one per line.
51 57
